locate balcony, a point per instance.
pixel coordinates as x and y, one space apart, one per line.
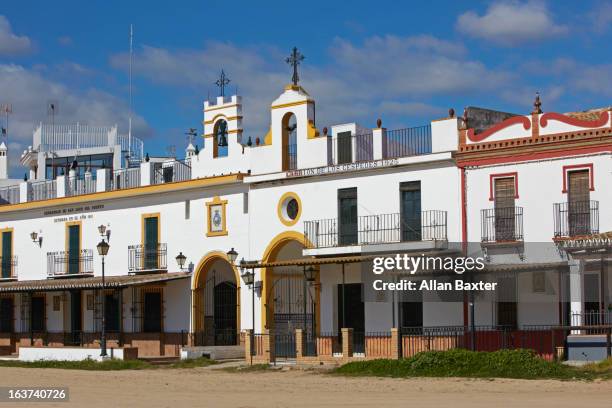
125 178
8 267
147 258
407 142
502 225
576 218
65 263
377 229
9 195
79 185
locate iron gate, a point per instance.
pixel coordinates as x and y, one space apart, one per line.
220 312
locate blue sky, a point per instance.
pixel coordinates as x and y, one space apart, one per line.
404 62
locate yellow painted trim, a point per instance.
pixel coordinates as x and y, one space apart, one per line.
216 107
268 137
128 192
221 115
12 231
287 105
67 226
313 132
143 217
292 87
269 255
279 208
216 201
198 284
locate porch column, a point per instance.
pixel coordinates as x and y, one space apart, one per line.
575 291
347 342
299 343
395 344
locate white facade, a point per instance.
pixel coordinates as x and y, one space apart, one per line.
277 199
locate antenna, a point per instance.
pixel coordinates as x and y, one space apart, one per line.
130 96
7 109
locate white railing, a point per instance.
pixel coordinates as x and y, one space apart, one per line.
125 178
42 190
80 185
9 195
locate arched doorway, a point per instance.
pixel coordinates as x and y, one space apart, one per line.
216 302
289 300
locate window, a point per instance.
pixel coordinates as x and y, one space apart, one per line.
151 241
152 312
6 256
505 211
292 208
410 210
578 201
347 216
74 247
37 314
6 315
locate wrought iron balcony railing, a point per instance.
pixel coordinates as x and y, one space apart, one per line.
502 224
8 267
407 142
175 170
65 263
377 229
145 257
576 218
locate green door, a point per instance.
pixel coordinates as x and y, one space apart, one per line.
151 243
7 253
74 248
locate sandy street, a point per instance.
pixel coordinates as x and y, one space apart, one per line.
204 387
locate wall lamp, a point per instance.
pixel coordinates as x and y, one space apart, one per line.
36 238
104 232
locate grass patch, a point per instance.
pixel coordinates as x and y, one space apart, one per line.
106 365
463 363
192 363
248 368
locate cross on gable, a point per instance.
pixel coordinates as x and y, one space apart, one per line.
221 82
294 60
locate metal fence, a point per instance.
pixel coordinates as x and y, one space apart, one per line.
9 195
8 267
377 229
168 172
290 156
125 178
576 218
43 190
502 224
407 142
61 263
147 257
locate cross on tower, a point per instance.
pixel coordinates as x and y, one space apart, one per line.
221 82
294 60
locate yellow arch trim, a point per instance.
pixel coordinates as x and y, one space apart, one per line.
196 288
270 253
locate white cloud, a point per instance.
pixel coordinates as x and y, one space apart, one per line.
29 91
350 86
510 23
10 43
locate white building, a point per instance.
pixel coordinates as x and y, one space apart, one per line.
516 189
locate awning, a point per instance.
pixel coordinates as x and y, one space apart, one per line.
310 261
111 282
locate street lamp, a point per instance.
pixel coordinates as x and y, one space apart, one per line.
249 279
180 259
103 248
310 274
232 255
